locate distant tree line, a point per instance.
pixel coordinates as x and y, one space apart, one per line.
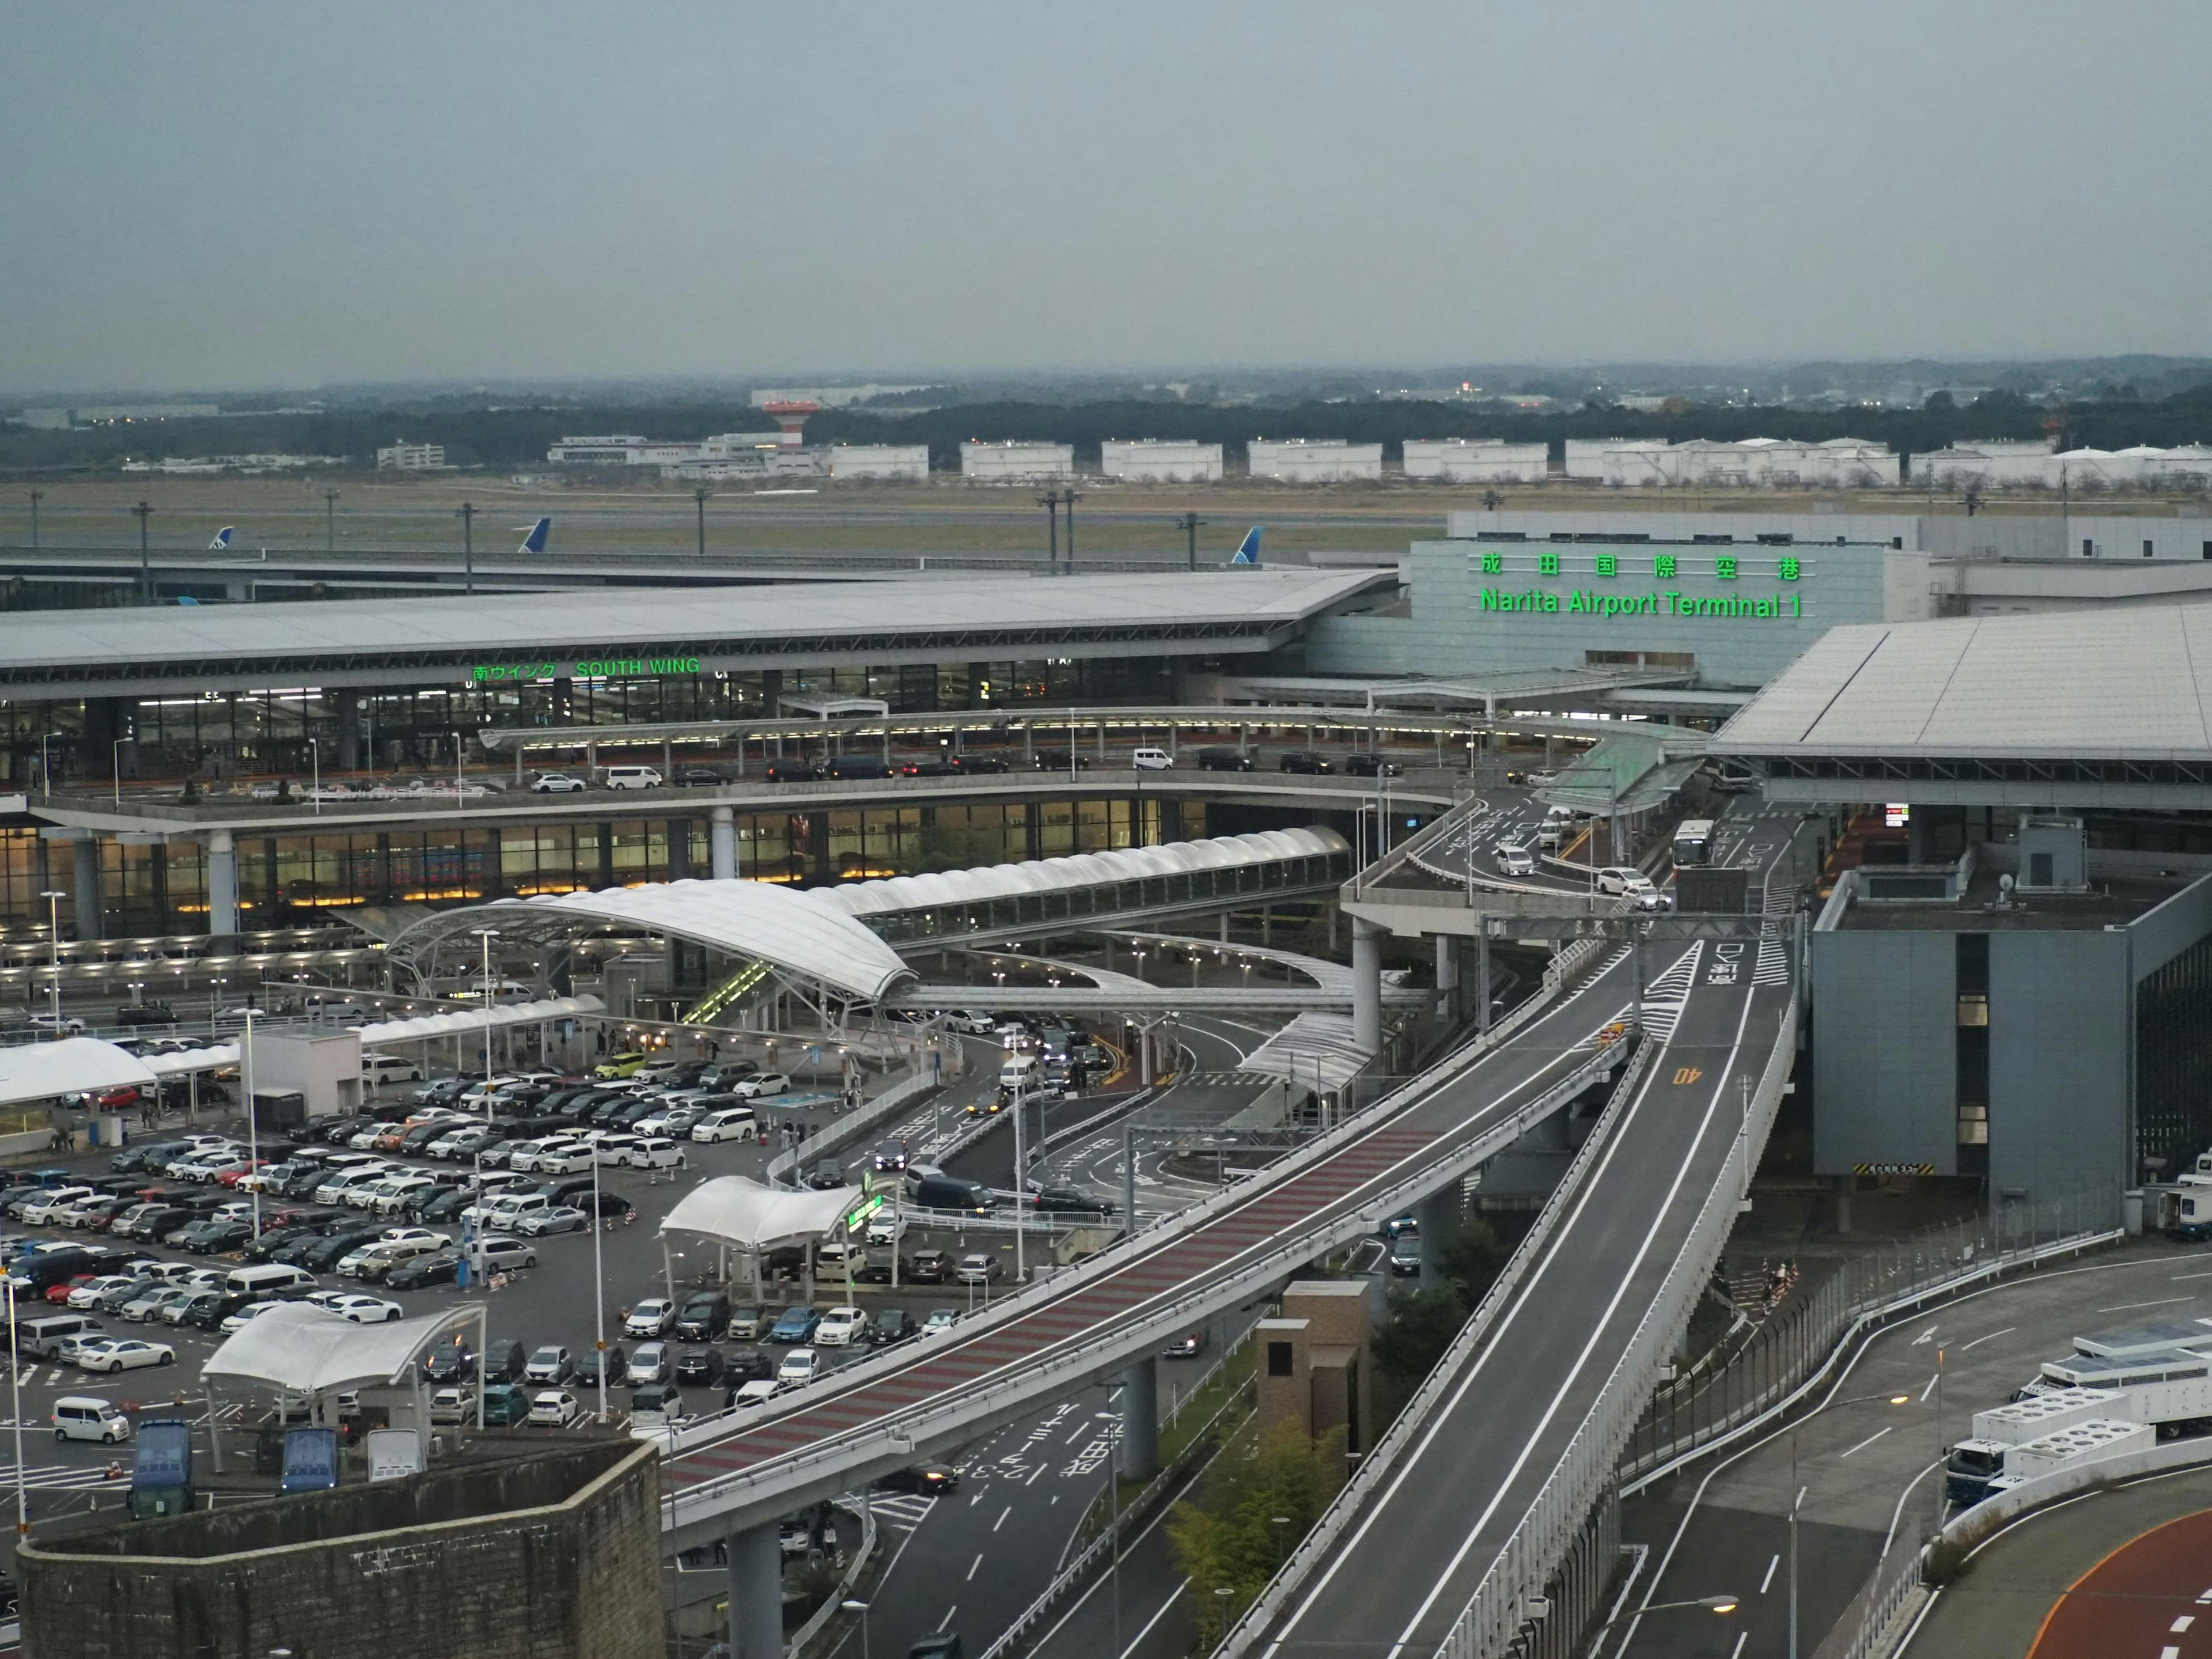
519 437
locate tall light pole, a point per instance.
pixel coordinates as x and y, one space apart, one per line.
1050 502
315 789
330 520
115 765
46 765
1188 524
16 1388
1021 1187
861 1607
599 1287
699 498
467 514
1068 499
143 512
252 1119
36 495
53 897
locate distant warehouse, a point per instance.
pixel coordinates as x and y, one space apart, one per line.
1644 463
1160 460
1313 460
1997 464
897 463
1015 463
1476 460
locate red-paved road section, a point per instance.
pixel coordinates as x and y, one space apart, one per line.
2151 1597
1030 1338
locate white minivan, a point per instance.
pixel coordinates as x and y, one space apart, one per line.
389 1069
269 1278
631 777
87 1417
1153 760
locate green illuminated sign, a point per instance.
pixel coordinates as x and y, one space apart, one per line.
857 1217
1732 575
495 673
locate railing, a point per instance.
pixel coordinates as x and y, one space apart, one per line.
1377 1465
1486 1626
1864 1631
841 1131
833 1603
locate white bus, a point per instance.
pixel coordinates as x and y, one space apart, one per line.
1693 841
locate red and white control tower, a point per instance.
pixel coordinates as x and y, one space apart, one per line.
791 422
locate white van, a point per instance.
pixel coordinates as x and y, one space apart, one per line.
1153 760
270 1279
389 1069
1019 1071
504 1210
87 1416
631 777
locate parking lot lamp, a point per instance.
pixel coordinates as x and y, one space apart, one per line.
16 1388
53 898
598 1287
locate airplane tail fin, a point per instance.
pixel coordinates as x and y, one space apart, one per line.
535 541
222 538
1248 550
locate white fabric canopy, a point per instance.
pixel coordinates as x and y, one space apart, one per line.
39 1071
306 1350
756 1217
386 1032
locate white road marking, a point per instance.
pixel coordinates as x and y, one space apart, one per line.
2178 1277
1868 1441
1769 1579
2181 1624
1741 1636
945 1623
1926 1336
2163 1302
972 1565
1004 1512
1930 1389
1992 1337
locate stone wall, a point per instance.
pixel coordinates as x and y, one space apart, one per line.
556 1555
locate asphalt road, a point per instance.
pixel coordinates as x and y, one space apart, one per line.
1865 1465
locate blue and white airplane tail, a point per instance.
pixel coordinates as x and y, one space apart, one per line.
1248 550
222 538
535 541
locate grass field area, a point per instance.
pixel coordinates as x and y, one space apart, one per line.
946 517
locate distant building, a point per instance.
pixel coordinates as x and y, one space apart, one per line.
187 464
1313 460
829 397
1015 463
1997 464
1160 460
884 462
111 414
1646 463
1476 460
622 449
403 457
45 420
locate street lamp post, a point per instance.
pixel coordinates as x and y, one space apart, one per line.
15 1390
861 1607
115 767
1722 1604
36 495
466 512
315 788
46 765
252 1119
142 511
699 497
598 1288
1021 1183
53 898
330 520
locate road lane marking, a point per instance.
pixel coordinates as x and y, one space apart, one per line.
1769 1579
1869 1440
1155 1619
1003 1513
1926 1336
972 1565
1930 1389
945 1623
2177 1277
1741 1636
2181 1624
1992 1337
2163 1302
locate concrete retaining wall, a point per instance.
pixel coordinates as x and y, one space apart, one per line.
556 1554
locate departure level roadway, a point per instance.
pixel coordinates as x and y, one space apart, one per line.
1425 1538
1032 1342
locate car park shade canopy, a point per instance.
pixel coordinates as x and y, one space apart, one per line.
40 1071
304 1350
751 1216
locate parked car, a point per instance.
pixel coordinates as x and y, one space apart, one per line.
121 1353
558 783
504 1404
698 1368
842 1327
550 1363
795 1324
654 1317
799 1367
979 1267
593 1361
890 1325
1370 766
649 1362
704 1318
1304 760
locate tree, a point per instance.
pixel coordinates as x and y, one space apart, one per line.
1423 1323
1940 402
1249 1514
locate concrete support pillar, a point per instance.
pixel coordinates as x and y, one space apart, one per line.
1439 1215
1139 1453
84 892
221 883
1367 985
722 843
1447 976
772 693
348 706
756 1592
1482 992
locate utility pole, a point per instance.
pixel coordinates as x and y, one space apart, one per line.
1068 499
330 520
1188 524
36 495
143 512
467 514
1050 502
699 498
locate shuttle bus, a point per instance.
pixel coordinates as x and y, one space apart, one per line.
1693 841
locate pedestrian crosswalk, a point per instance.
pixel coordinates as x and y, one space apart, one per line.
1772 966
901 1511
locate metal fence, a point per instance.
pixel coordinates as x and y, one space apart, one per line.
1864 1630
1759 1372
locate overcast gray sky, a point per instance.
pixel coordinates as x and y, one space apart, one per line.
275 193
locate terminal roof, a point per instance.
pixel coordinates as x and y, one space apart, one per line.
2130 683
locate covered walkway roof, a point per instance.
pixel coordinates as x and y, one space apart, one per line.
752 1217
302 1349
40 1071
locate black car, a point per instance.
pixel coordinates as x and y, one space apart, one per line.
784 771
449 1362
747 1364
966 764
890 1325
1060 760
858 766
825 1178
698 1368
1224 760
1370 766
209 1309
158 1223
447 1205
1304 760
146 1013
264 1247
704 1318
1065 1200
418 1273
698 777
928 768
149 1155
324 1254
211 1238
929 1266
412 1143
929 1479
589 1363
337 1132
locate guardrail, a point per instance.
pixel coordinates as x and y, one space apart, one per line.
1379 1463
841 1132
834 1603
984 1403
1488 1625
